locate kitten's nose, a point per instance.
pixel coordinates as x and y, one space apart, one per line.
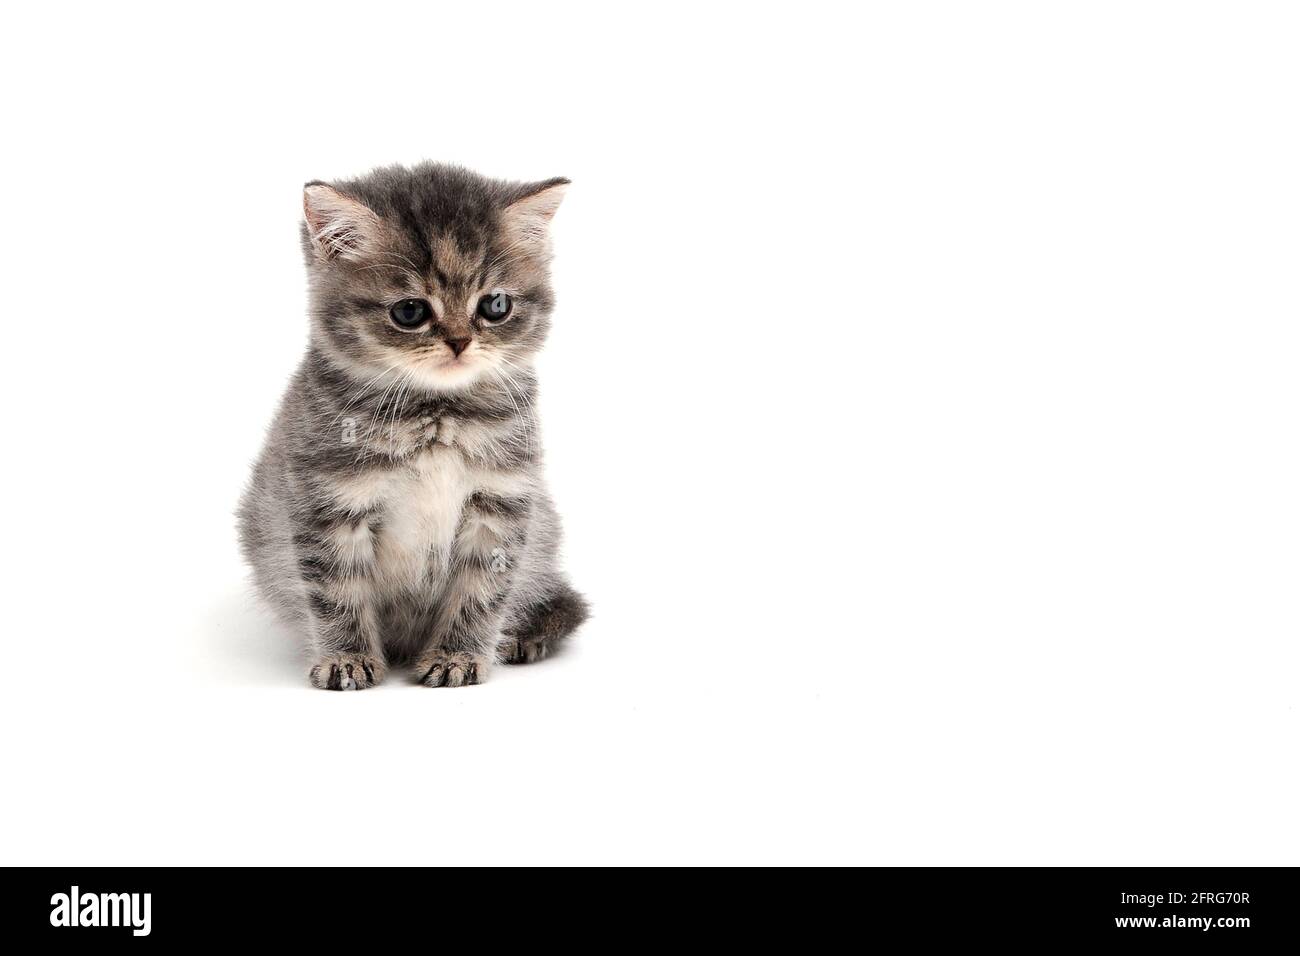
458 345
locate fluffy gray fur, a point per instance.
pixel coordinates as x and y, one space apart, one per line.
398 514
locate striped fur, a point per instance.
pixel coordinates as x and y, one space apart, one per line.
398 513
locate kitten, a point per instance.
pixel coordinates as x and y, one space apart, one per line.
398 514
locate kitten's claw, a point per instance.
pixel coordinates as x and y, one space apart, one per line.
451 669
346 672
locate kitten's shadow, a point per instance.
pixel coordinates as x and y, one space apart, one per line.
247 645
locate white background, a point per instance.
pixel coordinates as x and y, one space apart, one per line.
921 404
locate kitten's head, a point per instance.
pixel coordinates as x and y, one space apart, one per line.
432 273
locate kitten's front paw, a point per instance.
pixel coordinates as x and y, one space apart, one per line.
451 668
346 672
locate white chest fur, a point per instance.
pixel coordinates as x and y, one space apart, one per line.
421 506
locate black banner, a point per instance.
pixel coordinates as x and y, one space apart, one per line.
1222 908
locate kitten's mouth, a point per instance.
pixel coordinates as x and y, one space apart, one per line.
443 358
453 358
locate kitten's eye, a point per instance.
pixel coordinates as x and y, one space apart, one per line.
410 313
495 307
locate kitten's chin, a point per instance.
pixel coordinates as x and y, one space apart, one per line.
447 376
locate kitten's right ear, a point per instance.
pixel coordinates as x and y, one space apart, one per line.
339 226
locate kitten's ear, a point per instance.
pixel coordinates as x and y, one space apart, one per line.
528 215
337 225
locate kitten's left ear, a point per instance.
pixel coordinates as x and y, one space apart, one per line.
528 215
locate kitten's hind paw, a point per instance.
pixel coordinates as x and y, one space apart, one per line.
542 628
524 650
346 672
440 668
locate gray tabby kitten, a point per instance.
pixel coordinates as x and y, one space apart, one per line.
398 512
